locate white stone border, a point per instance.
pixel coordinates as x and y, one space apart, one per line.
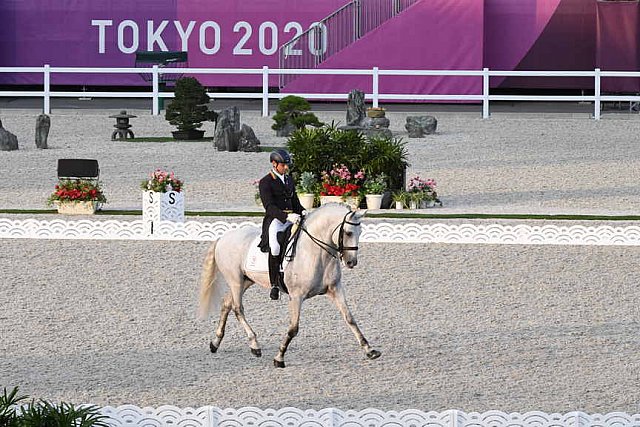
496 234
209 416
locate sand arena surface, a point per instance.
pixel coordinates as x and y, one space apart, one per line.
470 327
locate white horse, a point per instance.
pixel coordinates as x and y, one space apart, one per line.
328 238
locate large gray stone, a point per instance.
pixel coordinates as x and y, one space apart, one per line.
248 140
418 126
43 124
8 141
356 110
227 134
375 122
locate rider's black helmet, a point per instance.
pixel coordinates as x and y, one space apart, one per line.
280 156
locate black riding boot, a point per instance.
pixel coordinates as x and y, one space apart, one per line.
274 273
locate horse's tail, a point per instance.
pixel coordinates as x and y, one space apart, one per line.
210 292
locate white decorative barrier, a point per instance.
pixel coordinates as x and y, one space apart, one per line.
158 207
209 416
495 234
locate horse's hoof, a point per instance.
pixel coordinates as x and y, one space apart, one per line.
278 363
256 352
212 347
373 354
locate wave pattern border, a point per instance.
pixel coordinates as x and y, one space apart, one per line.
210 416
494 234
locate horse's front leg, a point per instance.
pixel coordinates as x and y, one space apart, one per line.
294 313
338 297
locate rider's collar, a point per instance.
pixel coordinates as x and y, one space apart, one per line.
275 172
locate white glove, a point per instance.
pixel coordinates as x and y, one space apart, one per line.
304 212
293 218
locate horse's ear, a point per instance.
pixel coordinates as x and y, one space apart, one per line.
359 213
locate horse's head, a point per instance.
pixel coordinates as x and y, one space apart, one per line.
340 228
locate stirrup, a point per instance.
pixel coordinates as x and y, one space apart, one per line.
275 293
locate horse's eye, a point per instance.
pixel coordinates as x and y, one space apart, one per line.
348 233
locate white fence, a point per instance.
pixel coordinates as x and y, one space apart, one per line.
375 74
495 234
209 416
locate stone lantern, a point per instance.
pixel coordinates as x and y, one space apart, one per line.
122 126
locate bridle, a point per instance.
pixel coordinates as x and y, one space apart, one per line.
335 251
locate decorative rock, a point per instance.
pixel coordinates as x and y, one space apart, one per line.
8 141
43 123
375 123
248 140
227 135
377 132
418 126
355 108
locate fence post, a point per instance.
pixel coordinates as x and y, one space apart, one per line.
485 93
265 91
47 89
155 106
596 101
376 89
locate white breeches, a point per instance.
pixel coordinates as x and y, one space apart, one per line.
274 228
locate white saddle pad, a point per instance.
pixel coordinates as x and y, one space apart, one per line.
258 261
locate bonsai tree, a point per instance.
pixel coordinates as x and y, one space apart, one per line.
293 113
189 109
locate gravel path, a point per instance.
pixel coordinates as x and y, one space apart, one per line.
470 327
508 164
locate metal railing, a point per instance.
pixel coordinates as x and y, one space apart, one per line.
335 32
375 96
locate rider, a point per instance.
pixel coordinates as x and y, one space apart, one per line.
280 201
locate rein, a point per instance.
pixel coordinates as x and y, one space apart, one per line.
328 246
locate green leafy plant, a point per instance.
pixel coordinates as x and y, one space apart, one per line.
77 190
376 184
190 105
45 414
307 183
400 196
318 149
162 181
294 111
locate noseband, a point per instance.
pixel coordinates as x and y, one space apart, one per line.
341 247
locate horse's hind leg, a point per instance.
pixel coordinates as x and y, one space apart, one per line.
222 323
238 309
294 312
339 299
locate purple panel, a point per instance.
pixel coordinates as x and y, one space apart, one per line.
568 42
61 33
242 27
511 29
617 43
101 34
432 34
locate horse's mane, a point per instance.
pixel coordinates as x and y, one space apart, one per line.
328 210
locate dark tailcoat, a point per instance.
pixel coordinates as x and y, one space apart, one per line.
278 199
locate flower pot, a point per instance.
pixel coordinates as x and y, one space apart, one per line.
68 207
184 135
375 114
427 203
306 200
352 201
399 205
374 201
413 205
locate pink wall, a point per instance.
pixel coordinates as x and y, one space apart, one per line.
431 34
